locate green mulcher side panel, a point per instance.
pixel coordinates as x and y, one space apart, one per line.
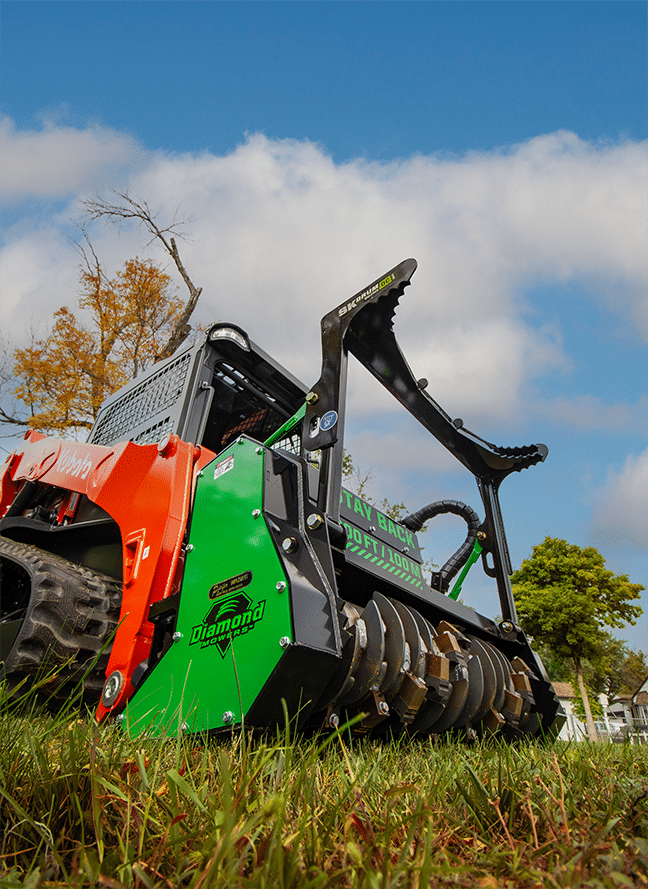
234 614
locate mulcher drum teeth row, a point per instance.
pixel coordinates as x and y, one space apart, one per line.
402 672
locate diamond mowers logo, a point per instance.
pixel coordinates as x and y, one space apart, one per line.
230 616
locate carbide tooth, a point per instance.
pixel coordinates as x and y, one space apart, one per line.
513 708
409 699
377 710
493 720
521 682
447 642
519 666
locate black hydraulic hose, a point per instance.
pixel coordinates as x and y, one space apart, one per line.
441 579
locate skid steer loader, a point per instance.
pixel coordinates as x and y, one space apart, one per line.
199 565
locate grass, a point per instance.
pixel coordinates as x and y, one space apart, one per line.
83 805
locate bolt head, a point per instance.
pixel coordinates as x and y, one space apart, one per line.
314 521
281 586
177 636
259 450
284 642
334 720
119 719
312 398
168 446
228 717
383 708
111 689
189 547
507 626
289 544
256 513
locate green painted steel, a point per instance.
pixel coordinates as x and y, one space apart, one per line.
287 427
472 558
234 607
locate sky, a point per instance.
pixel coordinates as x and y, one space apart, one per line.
310 147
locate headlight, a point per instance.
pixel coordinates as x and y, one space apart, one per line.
229 333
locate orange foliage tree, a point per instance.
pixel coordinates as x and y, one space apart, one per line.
64 378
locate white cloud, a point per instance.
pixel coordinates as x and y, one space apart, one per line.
32 270
58 161
620 516
280 234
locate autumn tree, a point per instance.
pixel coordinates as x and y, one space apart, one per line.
131 320
565 597
64 378
124 207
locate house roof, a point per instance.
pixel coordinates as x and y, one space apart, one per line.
642 690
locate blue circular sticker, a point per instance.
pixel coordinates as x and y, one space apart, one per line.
328 421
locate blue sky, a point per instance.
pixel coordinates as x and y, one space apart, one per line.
314 145
381 80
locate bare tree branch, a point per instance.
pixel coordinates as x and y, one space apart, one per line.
91 263
128 208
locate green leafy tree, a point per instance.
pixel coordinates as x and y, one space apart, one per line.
622 669
565 597
558 667
595 706
614 669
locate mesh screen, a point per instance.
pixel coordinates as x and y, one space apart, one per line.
154 395
291 443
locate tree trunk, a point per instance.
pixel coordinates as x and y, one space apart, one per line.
592 734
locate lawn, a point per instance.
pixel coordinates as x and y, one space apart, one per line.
84 805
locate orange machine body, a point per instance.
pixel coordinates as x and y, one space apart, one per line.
147 490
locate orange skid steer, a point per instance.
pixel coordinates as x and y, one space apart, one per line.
198 565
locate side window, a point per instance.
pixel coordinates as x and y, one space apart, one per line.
239 407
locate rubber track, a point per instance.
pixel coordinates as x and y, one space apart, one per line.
70 620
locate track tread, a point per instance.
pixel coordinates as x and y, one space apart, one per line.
69 622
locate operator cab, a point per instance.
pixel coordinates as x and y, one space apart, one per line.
207 394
